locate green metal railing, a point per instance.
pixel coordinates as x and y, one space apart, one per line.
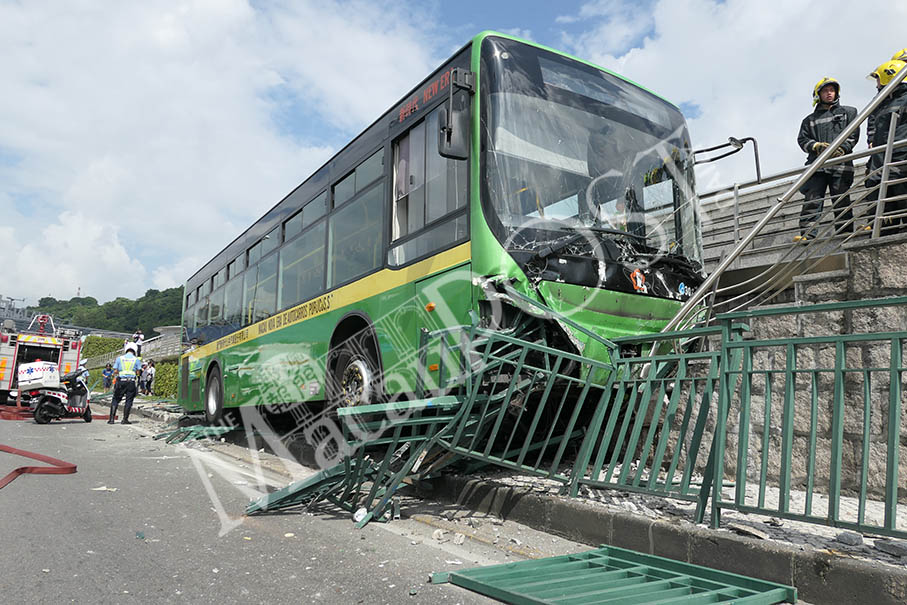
614 575
817 422
807 428
524 403
385 443
649 435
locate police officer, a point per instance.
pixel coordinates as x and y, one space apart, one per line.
894 105
126 370
817 130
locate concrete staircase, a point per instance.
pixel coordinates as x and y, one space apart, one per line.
727 218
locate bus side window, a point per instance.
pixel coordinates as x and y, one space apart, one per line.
355 230
216 308
409 181
250 280
266 289
428 190
201 313
302 267
233 302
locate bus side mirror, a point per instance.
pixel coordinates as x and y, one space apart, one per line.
453 119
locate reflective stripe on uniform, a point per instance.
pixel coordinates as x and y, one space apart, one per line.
128 366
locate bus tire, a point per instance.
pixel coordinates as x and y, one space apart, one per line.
354 379
214 397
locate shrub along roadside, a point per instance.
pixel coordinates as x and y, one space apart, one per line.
98 345
165 379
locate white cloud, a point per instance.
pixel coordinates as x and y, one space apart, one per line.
75 253
173 126
750 67
175 274
516 32
617 25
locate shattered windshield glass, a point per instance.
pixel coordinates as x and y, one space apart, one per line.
567 146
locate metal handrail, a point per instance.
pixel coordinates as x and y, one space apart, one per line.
784 174
691 306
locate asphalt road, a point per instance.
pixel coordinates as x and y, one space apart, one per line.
168 527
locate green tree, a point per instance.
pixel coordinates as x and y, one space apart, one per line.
154 308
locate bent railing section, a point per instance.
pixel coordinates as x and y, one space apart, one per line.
803 427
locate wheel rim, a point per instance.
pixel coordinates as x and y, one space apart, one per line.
212 400
355 383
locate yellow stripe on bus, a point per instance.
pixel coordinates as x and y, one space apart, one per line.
371 285
2 368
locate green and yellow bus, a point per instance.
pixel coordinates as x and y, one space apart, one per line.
511 165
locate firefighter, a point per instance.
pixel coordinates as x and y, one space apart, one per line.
125 369
901 55
817 131
895 104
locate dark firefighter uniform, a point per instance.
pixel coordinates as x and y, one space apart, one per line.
894 105
817 130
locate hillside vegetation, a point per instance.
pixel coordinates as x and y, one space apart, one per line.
155 308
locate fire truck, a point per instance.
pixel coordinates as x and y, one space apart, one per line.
40 341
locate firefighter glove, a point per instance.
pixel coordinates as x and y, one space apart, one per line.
819 147
838 152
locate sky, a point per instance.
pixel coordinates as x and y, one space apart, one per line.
137 139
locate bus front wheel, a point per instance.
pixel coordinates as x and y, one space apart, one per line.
214 397
354 378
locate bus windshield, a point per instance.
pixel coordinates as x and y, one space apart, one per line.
567 146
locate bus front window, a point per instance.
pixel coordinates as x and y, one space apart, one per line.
568 146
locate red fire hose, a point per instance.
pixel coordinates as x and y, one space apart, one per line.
58 467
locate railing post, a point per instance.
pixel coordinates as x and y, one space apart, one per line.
787 428
837 435
716 458
883 185
894 436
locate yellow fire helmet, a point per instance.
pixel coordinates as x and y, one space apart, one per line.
821 84
884 72
901 55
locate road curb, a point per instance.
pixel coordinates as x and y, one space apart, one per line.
820 576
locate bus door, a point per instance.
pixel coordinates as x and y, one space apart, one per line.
428 230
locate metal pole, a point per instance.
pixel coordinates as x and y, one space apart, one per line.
883 185
784 199
758 166
736 213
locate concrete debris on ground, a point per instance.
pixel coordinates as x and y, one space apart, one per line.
897 548
747 530
850 538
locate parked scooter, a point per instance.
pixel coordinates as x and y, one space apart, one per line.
70 400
